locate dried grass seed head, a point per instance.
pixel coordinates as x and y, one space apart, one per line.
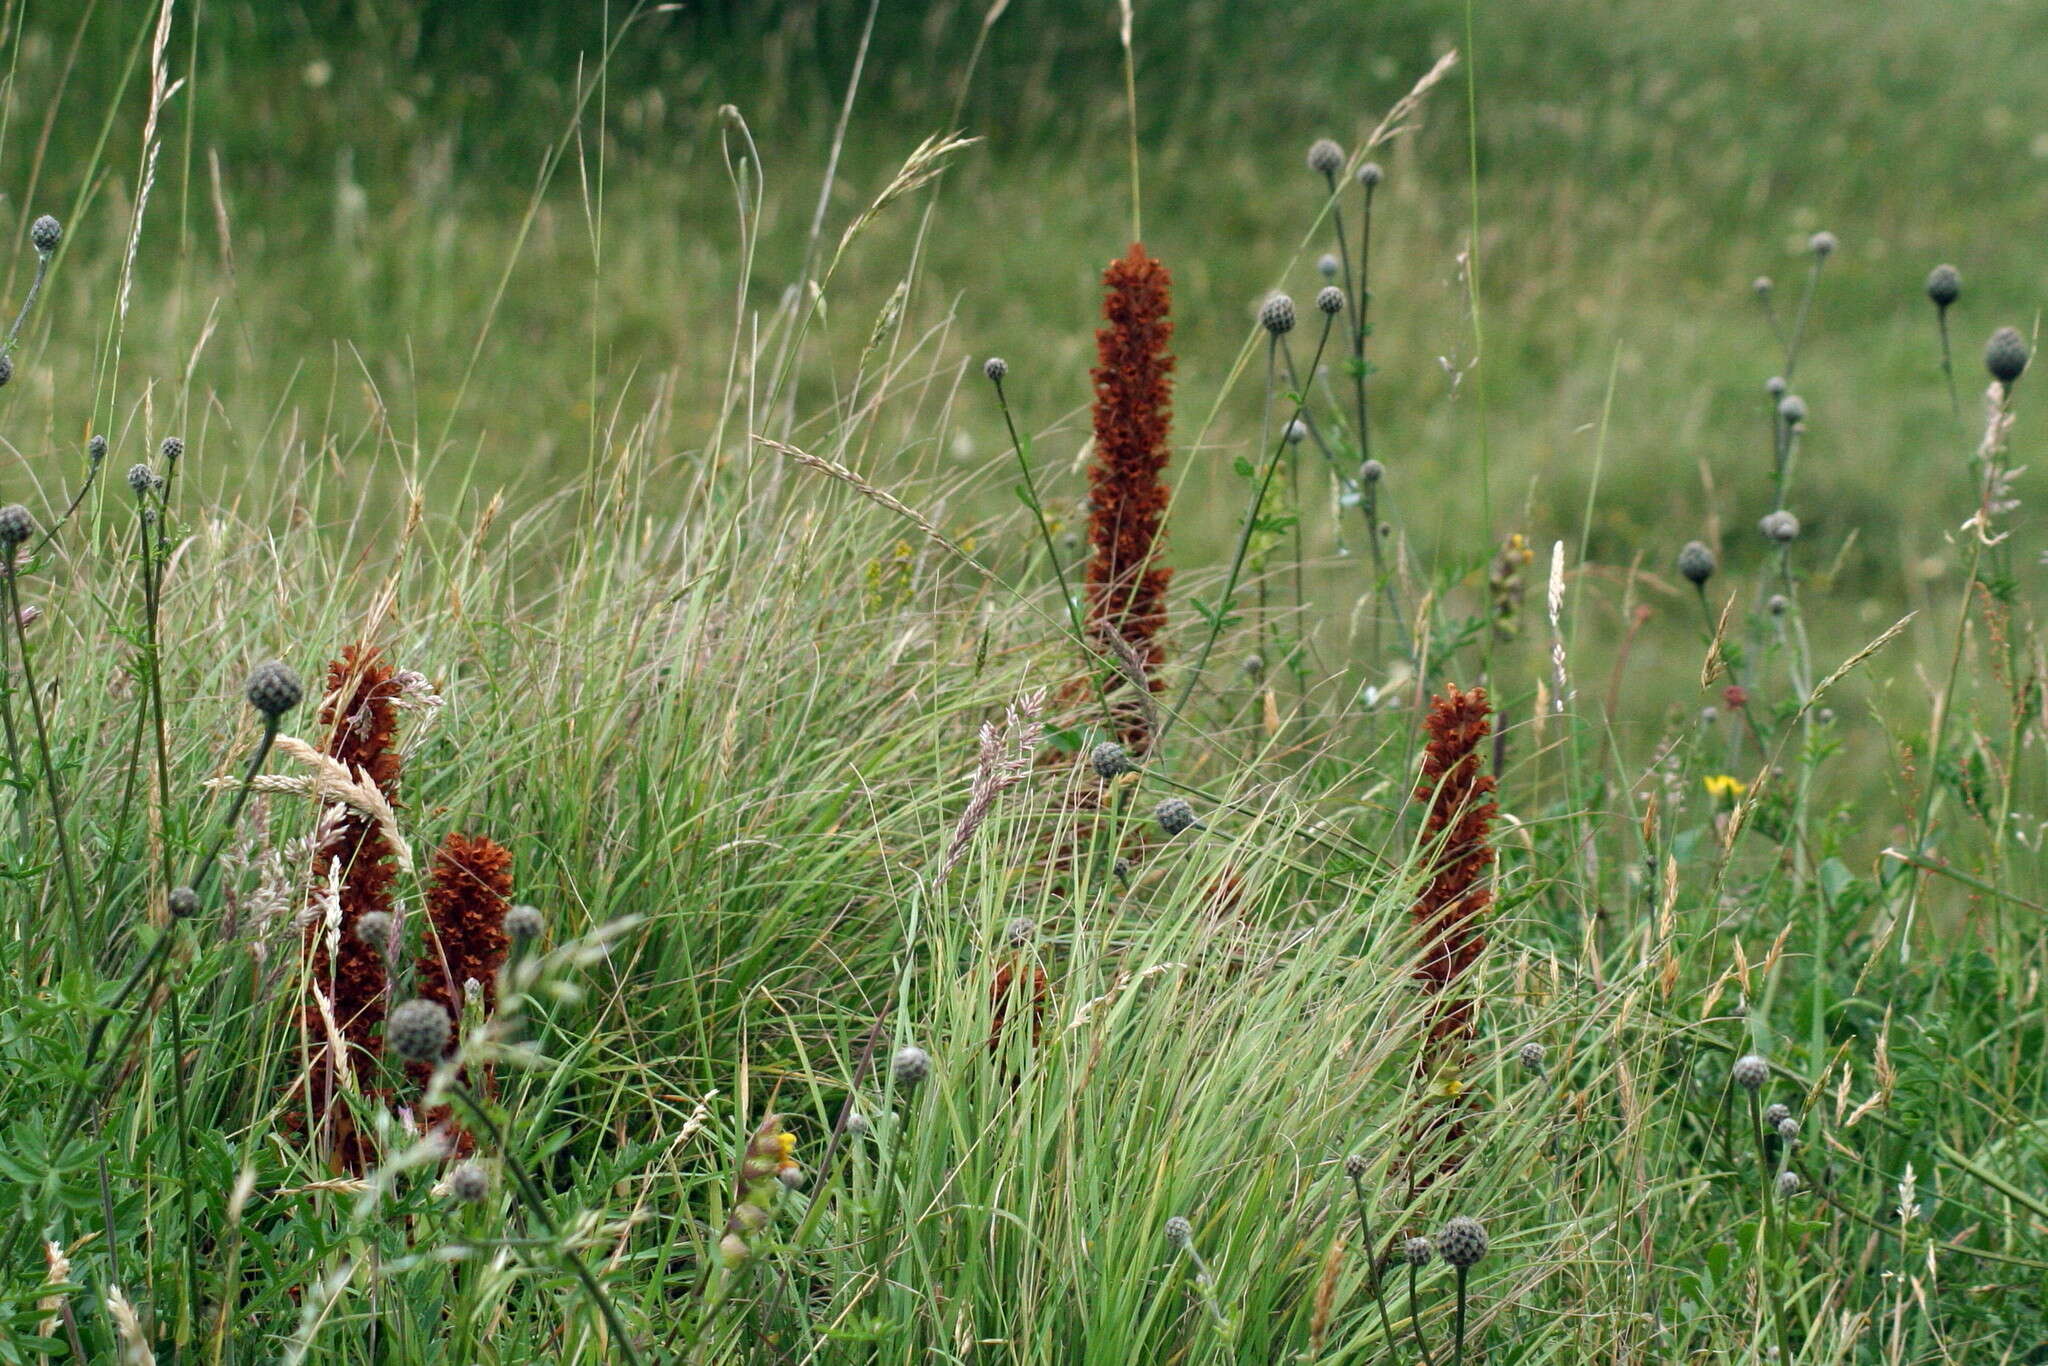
418 1030
1325 157
1276 315
1944 285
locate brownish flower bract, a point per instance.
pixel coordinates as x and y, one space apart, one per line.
1133 411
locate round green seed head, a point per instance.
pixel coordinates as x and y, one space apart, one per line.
523 922
1276 315
1462 1242
469 1183
418 1030
910 1066
273 689
2005 355
1696 562
1944 285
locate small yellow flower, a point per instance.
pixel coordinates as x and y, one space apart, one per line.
1724 787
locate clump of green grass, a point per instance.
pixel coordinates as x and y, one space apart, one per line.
897 1001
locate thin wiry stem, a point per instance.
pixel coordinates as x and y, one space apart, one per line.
241 799
1458 1356
1415 1320
92 475
69 866
1799 322
154 687
1372 1257
28 301
536 1203
16 769
1948 370
1244 542
1031 500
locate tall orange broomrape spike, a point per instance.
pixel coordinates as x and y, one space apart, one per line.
362 720
468 894
1448 913
1133 411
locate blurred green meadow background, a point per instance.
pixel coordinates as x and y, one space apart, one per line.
473 244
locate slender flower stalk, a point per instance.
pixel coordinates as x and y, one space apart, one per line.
1944 287
997 370
68 866
1244 540
1416 1252
1355 1168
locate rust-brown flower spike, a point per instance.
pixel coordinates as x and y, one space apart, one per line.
361 717
1133 412
1448 915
